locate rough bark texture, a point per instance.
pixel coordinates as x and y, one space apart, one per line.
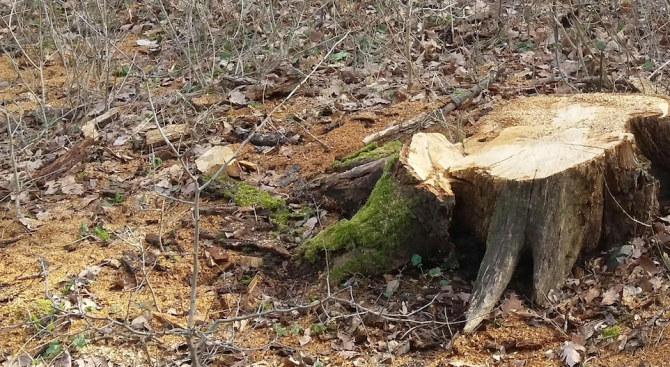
398 220
560 176
65 162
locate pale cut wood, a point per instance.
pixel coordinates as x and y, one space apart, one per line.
172 132
558 175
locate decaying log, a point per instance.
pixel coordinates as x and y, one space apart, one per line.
346 190
65 162
560 176
399 219
172 132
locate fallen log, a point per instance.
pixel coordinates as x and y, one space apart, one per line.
65 162
347 188
560 176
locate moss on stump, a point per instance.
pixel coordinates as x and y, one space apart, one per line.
384 233
368 153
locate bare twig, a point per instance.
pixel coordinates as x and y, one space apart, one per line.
408 45
199 189
17 182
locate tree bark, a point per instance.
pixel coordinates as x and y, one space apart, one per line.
560 176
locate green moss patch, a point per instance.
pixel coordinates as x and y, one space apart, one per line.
285 219
384 222
368 153
244 195
611 332
247 195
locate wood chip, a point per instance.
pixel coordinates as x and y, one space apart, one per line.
251 261
228 301
172 132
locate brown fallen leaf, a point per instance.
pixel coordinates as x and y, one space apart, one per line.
569 353
646 285
153 239
647 264
511 304
590 294
170 320
304 340
142 322
611 296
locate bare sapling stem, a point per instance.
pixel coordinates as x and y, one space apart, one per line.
17 183
408 45
200 188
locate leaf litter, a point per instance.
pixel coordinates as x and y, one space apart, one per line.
617 303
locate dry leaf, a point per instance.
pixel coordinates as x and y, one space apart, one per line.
511 304
149 43
217 156
589 295
569 353
237 97
647 264
611 296
304 340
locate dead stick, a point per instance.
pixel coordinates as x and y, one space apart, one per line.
457 100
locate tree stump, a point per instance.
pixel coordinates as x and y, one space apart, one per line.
557 175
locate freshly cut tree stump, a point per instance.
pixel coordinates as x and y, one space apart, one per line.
560 176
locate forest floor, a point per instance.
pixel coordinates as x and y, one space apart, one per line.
96 268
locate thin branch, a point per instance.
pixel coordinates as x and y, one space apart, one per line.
17 182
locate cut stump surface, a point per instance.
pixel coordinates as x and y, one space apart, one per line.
557 175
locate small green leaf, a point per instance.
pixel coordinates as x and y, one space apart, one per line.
648 65
339 56
155 162
281 331
79 342
416 260
118 197
317 329
54 348
102 234
435 272
444 283
83 228
600 45
225 56
294 329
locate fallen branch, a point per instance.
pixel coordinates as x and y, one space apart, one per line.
9 241
65 162
457 100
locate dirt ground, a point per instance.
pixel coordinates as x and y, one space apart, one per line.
85 243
